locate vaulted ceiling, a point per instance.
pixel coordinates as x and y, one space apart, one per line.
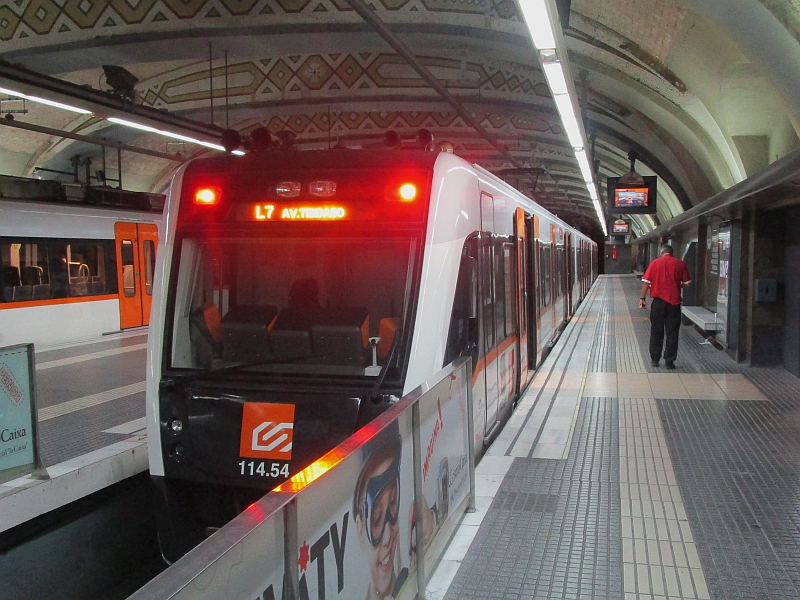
705 92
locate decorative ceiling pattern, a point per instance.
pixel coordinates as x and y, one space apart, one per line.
22 20
677 81
352 76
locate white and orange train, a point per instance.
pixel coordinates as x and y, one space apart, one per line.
298 294
70 271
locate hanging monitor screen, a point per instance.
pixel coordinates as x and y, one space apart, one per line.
624 198
621 227
629 197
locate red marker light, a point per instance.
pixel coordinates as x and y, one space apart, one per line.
407 192
207 195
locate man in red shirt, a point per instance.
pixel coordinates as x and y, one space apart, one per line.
664 278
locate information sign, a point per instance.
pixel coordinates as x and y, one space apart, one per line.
18 440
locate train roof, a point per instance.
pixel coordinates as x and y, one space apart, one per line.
23 189
333 158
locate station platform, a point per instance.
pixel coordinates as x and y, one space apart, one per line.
91 408
615 479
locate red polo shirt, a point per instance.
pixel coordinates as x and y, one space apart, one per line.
665 276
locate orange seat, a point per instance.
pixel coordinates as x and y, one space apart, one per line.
386 330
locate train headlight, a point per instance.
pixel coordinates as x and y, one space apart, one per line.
407 192
207 196
175 426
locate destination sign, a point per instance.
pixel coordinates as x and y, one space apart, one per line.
276 212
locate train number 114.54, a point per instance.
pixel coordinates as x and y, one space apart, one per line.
264 469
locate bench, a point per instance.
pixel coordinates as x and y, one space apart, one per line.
703 318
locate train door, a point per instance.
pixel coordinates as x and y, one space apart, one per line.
532 304
521 235
488 334
136 258
554 281
570 268
506 317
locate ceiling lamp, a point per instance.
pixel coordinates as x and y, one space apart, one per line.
53 103
541 17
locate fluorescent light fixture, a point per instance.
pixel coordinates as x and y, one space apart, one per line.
538 21
592 191
555 77
133 125
583 162
176 136
53 103
238 152
568 119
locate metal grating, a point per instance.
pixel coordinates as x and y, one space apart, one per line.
520 501
738 466
570 549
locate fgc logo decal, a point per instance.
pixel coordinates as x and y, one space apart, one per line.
267 431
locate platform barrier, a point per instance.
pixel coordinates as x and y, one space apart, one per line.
349 522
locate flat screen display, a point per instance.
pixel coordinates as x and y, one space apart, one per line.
627 197
624 198
620 228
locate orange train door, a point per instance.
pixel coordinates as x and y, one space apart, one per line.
523 278
136 258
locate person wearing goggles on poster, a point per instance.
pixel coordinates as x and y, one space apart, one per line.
376 506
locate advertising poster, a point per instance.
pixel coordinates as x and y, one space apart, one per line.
17 433
357 524
444 437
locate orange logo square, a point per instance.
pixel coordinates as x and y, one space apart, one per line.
267 431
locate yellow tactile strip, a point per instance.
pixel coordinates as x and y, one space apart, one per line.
687 386
659 555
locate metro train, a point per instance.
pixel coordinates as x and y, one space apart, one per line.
72 270
299 294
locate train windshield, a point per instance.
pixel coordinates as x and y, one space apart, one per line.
326 306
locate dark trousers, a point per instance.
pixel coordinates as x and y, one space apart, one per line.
664 317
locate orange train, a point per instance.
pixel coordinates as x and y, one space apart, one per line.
70 270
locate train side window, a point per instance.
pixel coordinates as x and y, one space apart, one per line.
55 268
510 278
149 265
463 335
487 295
24 274
546 275
501 307
88 268
128 279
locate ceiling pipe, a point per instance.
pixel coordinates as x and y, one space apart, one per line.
89 139
382 29
99 102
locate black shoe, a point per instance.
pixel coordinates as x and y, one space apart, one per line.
670 365
654 363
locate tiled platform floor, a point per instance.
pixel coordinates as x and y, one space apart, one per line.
615 479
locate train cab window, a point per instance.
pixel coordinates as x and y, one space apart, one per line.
149 265
301 306
128 270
